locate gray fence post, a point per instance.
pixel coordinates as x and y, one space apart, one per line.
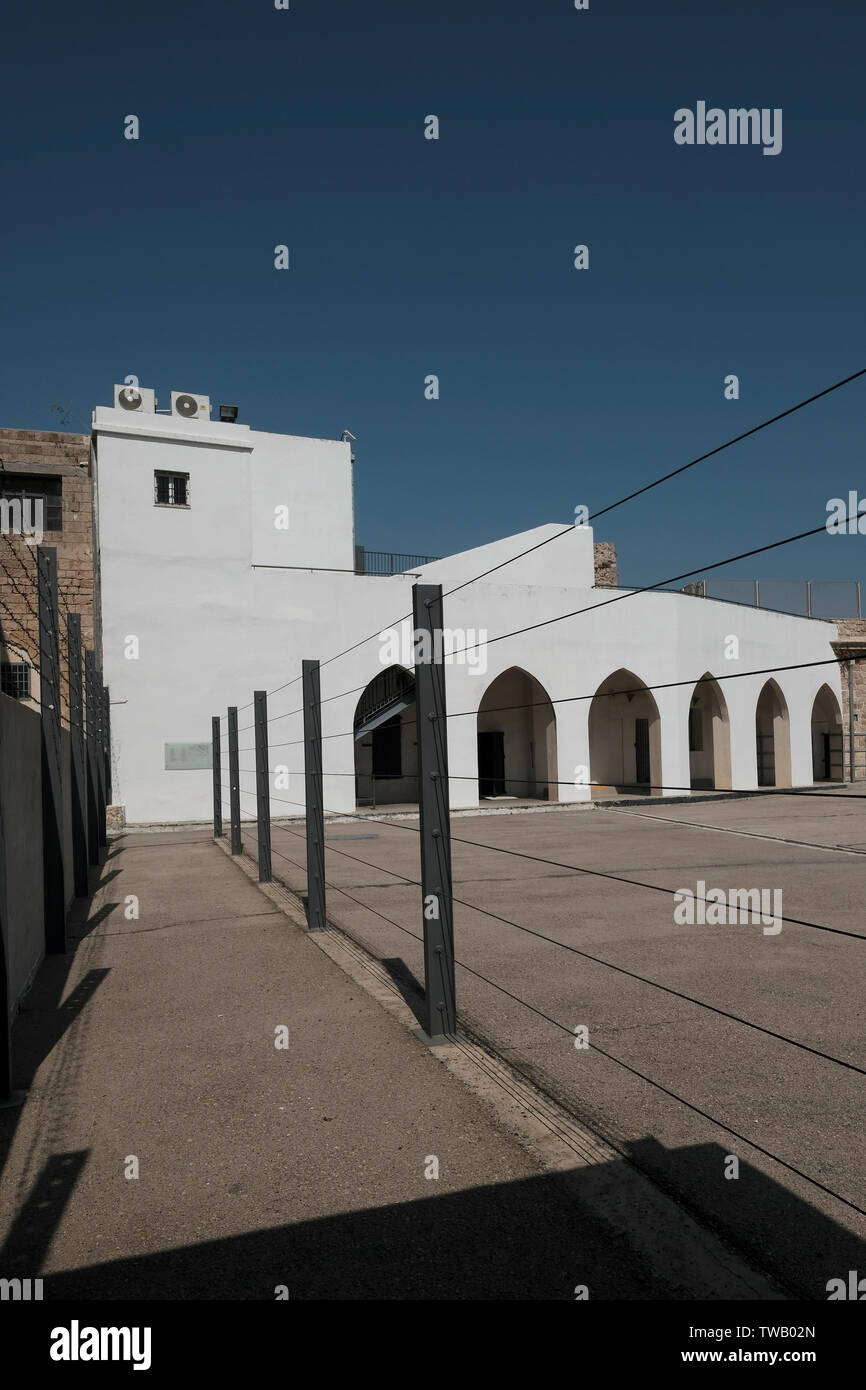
852 738
106 735
234 781
52 789
216 762
5 1004
8 1097
263 786
316 908
92 783
433 801
99 706
79 772
5 1001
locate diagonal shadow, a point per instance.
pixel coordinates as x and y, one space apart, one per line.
79 930
409 986
26 1245
534 1238
41 1020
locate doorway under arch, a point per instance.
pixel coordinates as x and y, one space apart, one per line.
625 751
709 737
773 737
386 744
828 761
516 739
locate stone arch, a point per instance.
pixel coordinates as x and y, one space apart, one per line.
773 737
828 760
625 751
709 737
386 744
516 729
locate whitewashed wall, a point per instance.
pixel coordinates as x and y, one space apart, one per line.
212 627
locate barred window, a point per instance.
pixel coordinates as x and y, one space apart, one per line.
15 679
33 496
171 489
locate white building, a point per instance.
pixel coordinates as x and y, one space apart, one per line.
228 555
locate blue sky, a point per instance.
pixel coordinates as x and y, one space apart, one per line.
454 257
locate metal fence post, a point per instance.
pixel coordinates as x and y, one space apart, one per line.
92 784
96 744
316 909
79 773
5 1001
433 802
8 1097
263 786
99 706
808 598
234 781
217 779
106 734
52 789
852 755
5 1028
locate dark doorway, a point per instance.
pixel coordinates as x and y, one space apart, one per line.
491 763
766 759
641 752
387 760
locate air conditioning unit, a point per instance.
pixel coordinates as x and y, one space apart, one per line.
135 398
190 407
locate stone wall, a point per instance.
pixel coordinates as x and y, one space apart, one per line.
50 454
605 564
851 642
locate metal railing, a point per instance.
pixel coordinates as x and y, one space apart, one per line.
808 598
855 756
365 788
388 562
390 686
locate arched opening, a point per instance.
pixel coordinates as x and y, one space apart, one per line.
827 754
625 750
386 744
773 738
709 737
516 739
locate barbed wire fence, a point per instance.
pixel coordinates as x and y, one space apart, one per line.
306 862
73 766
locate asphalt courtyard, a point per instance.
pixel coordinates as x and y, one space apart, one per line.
708 1043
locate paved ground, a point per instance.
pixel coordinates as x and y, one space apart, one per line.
152 1043
681 1087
